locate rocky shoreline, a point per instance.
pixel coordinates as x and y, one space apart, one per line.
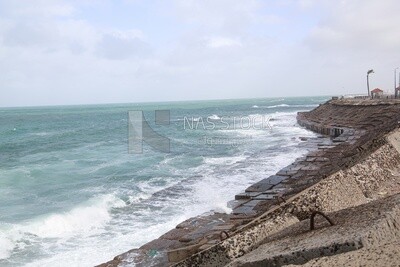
357 152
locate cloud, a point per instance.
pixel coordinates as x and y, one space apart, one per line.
29 34
363 25
224 16
352 37
66 52
218 42
38 8
123 45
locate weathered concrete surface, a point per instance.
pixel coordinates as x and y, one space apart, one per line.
366 226
243 242
386 255
350 187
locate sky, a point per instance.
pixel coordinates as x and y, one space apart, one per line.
58 52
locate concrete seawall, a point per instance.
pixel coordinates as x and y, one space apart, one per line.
343 189
357 164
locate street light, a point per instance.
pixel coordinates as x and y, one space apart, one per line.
368 73
395 91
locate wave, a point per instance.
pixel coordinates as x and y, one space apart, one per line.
293 106
224 160
277 100
222 179
305 106
214 117
278 106
255 106
86 219
6 246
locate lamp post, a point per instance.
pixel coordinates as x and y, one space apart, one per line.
368 73
395 91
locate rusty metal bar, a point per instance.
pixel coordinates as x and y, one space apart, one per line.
221 237
312 225
280 199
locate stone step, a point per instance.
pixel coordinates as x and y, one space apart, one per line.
246 195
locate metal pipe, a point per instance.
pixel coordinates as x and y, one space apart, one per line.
368 73
395 76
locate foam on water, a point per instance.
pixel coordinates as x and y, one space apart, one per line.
278 106
224 160
6 246
214 117
87 219
217 188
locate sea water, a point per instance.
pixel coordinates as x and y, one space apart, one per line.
72 195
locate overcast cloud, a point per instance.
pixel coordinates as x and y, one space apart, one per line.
84 52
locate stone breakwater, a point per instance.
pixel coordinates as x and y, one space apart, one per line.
342 171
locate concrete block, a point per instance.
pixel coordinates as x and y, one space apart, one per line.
260 186
265 197
246 195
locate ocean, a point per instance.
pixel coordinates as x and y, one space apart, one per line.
72 195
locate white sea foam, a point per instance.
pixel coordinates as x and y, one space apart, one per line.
278 106
211 194
217 188
196 119
83 219
283 116
95 250
291 106
6 246
214 117
277 100
52 133
149 187
252 124
250 133
42 134
305 106
224 160
255 106
138 197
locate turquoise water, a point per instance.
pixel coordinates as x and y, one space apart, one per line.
71 195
